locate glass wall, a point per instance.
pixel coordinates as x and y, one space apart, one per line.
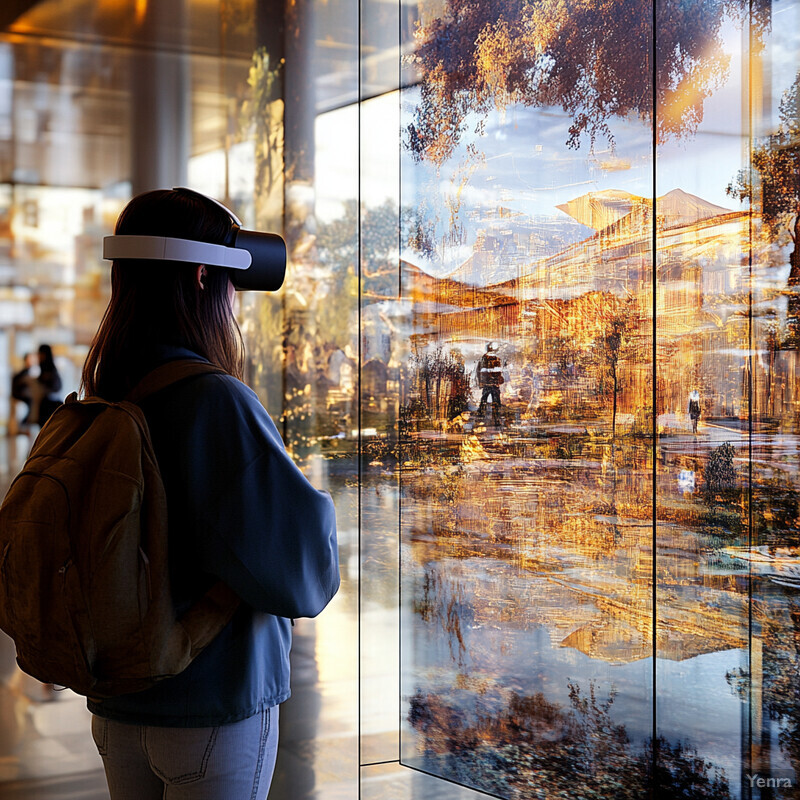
598 514
538 339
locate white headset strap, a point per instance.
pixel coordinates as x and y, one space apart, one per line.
165 248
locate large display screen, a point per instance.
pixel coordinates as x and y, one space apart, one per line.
599 485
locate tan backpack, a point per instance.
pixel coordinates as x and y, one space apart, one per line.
84 576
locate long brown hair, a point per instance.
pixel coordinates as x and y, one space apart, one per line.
159 302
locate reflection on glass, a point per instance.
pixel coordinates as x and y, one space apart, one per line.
587 609
770 186
702 354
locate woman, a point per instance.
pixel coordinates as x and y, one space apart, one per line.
239 510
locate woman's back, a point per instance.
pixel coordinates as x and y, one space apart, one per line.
240 511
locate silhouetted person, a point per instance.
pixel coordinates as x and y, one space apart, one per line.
490 379
21 385
45 393
336 360
37 385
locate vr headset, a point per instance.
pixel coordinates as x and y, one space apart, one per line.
257 260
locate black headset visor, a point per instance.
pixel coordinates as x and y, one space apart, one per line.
268 267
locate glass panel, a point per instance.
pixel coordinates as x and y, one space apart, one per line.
702 403
771 470
304 351
385 35
382 354
526 489
394 782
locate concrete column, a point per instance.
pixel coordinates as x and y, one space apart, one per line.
161 99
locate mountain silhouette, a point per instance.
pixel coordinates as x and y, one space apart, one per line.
598 210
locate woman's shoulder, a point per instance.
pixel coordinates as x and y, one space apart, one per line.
216 391
230 389
215 386
215 412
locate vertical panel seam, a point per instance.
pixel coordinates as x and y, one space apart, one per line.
359 453
654 433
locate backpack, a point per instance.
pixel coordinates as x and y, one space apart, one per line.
84 575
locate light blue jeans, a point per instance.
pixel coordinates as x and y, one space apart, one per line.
228 762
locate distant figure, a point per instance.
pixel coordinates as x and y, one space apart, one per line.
37 385
21 385
457 402
46 398
373 379
336 359
490 379
694 408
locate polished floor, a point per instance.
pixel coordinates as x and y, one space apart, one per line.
46 751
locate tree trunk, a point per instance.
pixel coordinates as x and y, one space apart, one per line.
793 306
794 256
614 407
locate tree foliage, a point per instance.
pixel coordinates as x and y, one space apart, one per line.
773 188
592 58
262 112
775 184
530 741
720 473
440 382
370 233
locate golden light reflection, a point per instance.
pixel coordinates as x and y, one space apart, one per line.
140 11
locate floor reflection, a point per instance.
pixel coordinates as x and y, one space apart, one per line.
46 750
44 735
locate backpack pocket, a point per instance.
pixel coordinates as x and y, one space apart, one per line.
33 551
83 642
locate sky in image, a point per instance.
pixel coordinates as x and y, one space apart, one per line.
525 165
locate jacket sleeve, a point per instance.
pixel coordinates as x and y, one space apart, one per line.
263 528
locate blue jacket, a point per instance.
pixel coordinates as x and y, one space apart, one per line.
239 510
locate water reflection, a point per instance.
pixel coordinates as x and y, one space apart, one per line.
528 600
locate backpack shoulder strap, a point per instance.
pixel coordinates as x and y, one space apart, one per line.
169 373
